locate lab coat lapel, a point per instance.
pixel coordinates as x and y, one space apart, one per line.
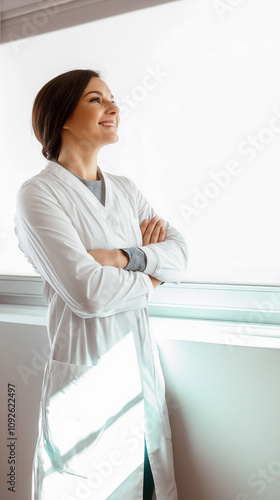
106 212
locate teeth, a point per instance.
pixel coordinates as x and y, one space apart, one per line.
108 124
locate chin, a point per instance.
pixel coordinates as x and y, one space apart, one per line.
115 140
111 141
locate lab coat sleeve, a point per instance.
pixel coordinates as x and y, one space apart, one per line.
137 259
51 243
167 260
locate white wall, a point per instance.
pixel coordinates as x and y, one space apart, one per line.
20 365
225 413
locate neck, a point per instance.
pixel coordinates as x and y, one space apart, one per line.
82 164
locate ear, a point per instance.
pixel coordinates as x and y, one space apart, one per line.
66 125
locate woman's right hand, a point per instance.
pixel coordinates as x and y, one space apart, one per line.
155 281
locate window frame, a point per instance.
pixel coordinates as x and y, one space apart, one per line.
31 19
249 304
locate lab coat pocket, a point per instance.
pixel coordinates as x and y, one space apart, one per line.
137 231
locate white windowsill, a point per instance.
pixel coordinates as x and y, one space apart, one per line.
249 304
26 315
217 332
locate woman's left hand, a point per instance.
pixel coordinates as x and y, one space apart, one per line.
153 232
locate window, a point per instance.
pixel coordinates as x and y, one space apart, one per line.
198 88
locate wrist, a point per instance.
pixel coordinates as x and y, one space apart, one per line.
123 258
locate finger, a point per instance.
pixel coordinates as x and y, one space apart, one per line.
149 231
156 232
162 234
144 226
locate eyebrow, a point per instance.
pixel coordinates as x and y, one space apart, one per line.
96 92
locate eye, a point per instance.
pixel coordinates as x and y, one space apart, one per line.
98 99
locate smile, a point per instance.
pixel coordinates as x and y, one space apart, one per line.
107 124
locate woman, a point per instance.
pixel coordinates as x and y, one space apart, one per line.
95 241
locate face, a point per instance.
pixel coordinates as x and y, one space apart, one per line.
96 105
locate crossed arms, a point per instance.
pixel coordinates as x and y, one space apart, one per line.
152 232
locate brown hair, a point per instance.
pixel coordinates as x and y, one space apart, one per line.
54 104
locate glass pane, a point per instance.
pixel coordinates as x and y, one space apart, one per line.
199 132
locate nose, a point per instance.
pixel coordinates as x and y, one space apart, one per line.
113 108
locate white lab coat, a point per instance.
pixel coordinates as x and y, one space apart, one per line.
103 387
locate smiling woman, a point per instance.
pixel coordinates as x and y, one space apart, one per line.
73 126
104 426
